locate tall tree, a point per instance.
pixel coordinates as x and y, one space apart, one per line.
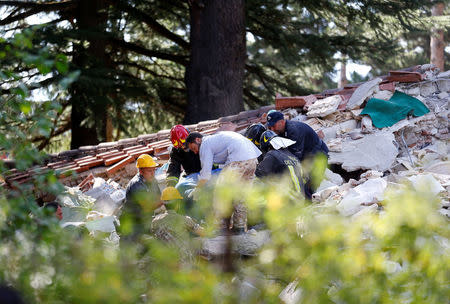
215 74
437 38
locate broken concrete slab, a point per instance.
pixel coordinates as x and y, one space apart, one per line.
366 193
362 92
426 183
324 107
333 177
331 132
443 85
428 88
376 151
384 95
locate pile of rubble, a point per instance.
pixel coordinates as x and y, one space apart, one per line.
412 150
95 205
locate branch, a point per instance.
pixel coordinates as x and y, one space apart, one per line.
34 8
150 53
154 25
153 73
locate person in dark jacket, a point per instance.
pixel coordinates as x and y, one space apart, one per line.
280 161
308 146
181 159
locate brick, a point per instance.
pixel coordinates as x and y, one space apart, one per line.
107 153
163 134
289 102
160 149
111 170
402 76
112 154
388 86
91 163
133 148
84 159
113 160
136 153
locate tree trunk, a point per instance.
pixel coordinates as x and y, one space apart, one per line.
437 39
85 95
343 74
214 76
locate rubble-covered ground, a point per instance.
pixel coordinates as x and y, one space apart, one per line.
413 150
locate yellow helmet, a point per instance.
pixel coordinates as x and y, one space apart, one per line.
145 161
170 193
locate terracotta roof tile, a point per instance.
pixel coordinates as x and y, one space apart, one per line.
289 102
113 160
113 169
402 76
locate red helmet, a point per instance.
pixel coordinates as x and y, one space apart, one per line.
178 135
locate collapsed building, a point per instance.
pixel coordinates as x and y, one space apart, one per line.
388 130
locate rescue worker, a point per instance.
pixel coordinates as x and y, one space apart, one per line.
180 159
142 195
308 146
235 152
278 160
254 133
172 199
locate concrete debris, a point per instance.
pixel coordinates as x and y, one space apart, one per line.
366 125
93 204
385 95
371 191
324 107
375 151
362 93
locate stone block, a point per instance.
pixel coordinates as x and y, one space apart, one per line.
427 89
362 92
331 132
375 151
324 107
443 95
443 85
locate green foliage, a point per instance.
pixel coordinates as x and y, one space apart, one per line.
398 255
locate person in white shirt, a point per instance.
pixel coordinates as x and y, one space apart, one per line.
235 152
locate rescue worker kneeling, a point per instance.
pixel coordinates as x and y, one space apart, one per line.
278 160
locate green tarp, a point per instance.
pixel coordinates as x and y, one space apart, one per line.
385 113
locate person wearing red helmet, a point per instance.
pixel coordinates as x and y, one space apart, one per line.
180 159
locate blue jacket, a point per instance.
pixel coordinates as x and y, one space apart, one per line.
307 142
